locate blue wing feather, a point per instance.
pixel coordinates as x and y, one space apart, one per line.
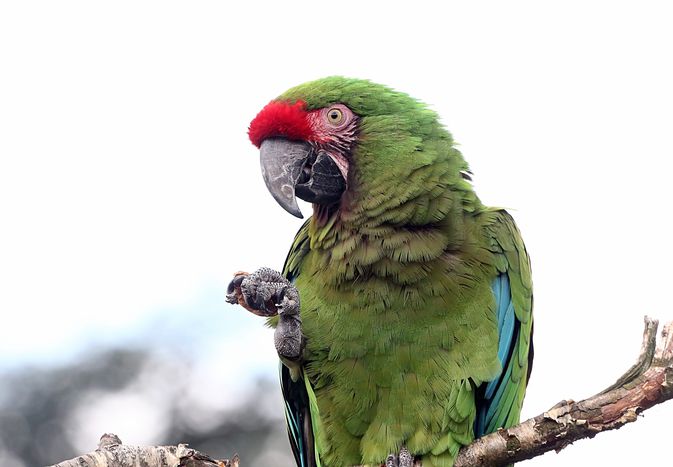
506 322
508 326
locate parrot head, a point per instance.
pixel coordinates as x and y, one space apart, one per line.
333 141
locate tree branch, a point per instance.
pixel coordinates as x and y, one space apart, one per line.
112 453
647 383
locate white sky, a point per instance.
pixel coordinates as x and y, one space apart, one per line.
128 185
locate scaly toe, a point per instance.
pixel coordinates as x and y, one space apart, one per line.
405 458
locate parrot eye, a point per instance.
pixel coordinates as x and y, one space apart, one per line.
335 116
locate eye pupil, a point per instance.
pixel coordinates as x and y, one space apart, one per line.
335 116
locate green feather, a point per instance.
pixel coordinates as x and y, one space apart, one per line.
395 288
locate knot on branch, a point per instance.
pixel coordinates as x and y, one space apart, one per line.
112 453
108 440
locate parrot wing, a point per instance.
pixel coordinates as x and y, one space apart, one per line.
499 401
300 403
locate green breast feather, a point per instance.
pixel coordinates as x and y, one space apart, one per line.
416 300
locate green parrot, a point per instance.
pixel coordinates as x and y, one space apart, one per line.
403 315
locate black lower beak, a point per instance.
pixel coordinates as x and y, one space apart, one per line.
293 168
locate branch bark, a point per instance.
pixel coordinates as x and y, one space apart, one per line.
112 453
647 383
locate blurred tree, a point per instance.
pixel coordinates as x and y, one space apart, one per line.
38 407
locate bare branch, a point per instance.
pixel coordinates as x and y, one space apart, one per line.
647 383
112 453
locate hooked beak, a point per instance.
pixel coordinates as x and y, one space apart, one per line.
293 168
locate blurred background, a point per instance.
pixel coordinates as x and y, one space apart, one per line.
129 194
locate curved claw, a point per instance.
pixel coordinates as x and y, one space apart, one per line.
238 294
236 281
234 287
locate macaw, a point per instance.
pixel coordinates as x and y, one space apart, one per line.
403 313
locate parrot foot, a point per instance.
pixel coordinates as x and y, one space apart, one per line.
266 292
403 459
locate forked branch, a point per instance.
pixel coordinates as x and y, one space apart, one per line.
647 383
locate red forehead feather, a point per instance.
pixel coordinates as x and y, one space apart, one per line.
281 119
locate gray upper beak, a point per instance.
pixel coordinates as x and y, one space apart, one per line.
294 169
282 164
